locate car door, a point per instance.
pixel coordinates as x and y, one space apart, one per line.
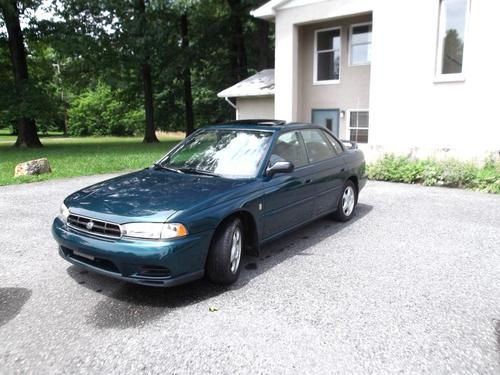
288 198
327 167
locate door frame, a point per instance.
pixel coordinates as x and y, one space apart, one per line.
328 110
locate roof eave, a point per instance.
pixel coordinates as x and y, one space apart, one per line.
253 95
268 10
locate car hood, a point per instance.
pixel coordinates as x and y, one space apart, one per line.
149 195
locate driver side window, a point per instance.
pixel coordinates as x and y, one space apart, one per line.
289 147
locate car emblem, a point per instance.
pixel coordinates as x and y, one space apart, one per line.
89 225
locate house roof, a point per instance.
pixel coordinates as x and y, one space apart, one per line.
268 10
260 84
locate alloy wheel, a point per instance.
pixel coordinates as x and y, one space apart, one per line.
348 201
235 250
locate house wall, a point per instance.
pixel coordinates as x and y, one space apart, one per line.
409 110
351 92
255 108
408 106
288 21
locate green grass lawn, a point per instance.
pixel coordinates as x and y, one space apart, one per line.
69 157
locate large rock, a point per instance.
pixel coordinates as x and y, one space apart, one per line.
32 167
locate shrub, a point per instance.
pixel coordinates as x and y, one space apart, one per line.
396 169
451 173
101 112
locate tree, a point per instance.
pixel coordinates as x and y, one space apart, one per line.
186 75
26 127
119 38
452 52
238 57
149 131
162 62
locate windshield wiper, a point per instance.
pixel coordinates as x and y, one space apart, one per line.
198 171
161 166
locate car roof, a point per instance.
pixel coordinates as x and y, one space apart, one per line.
263 124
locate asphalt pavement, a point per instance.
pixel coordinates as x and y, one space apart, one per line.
410 285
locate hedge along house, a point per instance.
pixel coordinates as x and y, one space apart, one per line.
414 77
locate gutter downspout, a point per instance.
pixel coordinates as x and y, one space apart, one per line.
232 105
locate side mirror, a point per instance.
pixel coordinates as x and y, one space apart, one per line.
280 167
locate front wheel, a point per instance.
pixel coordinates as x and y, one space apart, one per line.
347 202
224 257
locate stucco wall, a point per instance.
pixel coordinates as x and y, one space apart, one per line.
407 107
288 22
255 108
352 90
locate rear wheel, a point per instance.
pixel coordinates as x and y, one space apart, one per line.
347 202
224 258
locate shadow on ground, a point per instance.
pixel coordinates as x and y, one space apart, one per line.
129 305
12 301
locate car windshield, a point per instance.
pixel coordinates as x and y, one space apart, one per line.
223 152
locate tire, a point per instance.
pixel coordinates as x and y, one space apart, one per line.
347 202
224 258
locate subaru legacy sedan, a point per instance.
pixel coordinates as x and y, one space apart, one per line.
222 192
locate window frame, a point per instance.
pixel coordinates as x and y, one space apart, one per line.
438 66
323 135
335 139
315 64
351 27
349 124
301 142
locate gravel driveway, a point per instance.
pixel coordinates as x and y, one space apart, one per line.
411 285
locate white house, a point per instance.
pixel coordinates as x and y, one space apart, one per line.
419 76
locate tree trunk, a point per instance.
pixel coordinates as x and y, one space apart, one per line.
238 56
265 53
149 131
26 127
186 75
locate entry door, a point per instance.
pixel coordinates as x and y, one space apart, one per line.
329 118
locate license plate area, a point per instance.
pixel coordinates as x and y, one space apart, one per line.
83 255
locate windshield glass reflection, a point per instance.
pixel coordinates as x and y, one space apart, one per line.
222 152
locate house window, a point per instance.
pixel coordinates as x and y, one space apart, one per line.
358 126
327 56
452 25
361 44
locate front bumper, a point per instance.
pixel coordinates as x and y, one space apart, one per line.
155 263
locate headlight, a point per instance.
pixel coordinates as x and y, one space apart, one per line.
154 231
63 212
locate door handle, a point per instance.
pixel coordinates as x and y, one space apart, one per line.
308 181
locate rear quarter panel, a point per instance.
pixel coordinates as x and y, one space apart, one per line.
356 165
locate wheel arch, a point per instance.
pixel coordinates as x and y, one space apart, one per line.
250 231
355 181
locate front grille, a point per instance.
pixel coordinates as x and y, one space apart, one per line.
93 226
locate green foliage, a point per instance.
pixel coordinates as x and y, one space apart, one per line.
429 172
101 112
39 97
92 42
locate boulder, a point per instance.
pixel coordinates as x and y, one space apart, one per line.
32 167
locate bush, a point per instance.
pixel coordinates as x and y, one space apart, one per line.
451 173
101 112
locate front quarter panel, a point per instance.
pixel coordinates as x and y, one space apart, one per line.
245 198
